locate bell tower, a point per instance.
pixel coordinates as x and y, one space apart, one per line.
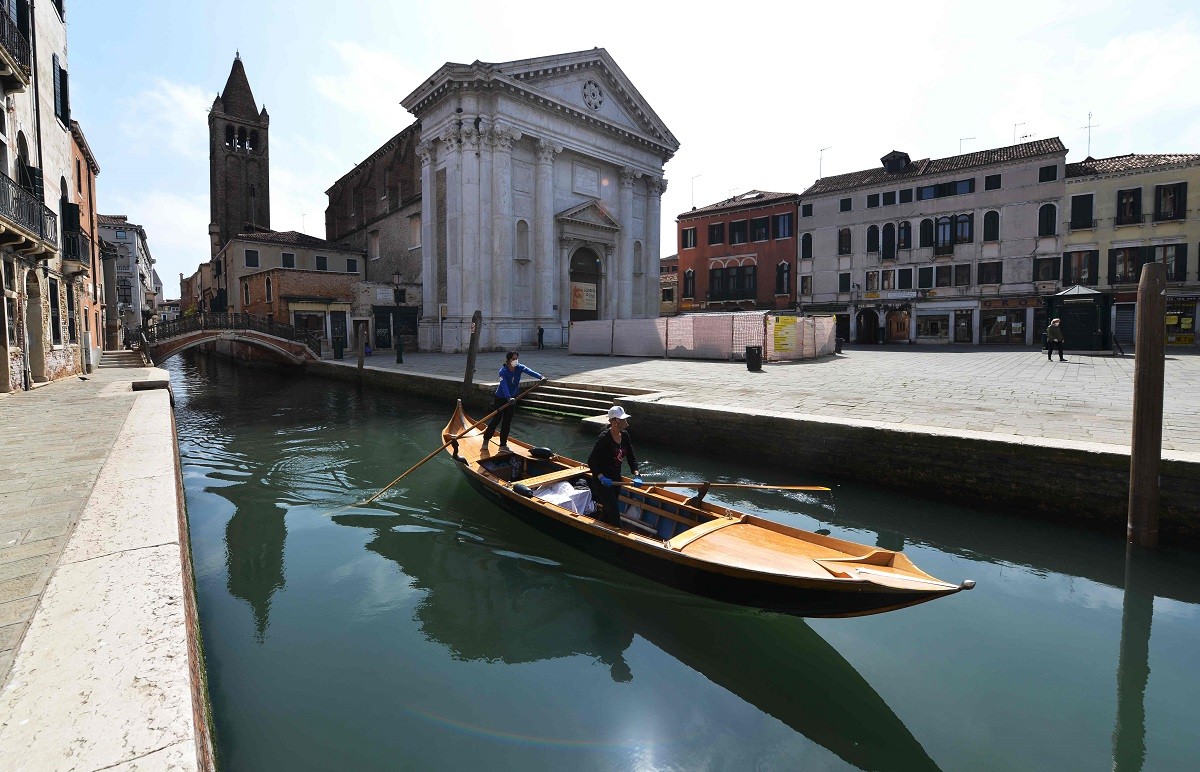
238 161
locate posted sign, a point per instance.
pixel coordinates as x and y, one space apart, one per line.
785 333
583 296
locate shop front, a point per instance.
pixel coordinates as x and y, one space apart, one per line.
1181 319
1005 321
944 322
1086 318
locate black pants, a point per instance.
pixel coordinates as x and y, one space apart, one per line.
503 419
1050 344
605 496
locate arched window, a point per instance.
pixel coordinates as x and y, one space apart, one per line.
926 233
228 135
844 243
964 229
783 279
904 235
246 292
689 283
806 247
943 232
269 293
241 139
1048 220
253 144
889 242
873 238
991 226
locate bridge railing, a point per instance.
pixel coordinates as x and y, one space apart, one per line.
208 320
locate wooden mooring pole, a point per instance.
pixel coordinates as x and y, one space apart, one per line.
472 350
1146 446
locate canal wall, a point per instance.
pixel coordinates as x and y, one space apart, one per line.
110 672
1078 482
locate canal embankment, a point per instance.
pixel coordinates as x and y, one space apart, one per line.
1001 429
102 664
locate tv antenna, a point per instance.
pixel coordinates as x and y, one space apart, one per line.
694 176
1089 128
821 160
960 141
1015 125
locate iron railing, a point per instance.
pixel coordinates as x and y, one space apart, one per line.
1081 224
217 321
77 246
14 42
1129 219
943 249
23 208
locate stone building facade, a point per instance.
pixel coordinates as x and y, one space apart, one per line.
540 191
668 284
1121 213
40 315
133 277
935 250
250 253
85 246
310 300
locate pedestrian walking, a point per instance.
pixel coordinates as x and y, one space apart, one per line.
506 396
541 338
611 448
1055 337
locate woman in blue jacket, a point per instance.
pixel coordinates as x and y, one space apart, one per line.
506 395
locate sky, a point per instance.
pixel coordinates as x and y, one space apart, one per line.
752 92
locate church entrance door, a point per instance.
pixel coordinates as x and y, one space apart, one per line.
585 285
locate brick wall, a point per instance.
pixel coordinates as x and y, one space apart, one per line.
294 282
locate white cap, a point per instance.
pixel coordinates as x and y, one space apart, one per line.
618 412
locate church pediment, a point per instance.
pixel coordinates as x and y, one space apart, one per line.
586 84
590 213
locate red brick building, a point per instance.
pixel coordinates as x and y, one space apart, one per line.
318 301
739 253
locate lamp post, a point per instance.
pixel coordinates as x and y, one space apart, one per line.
396 279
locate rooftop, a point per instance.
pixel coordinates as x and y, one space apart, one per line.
751 198
293 239
926 168
1128 162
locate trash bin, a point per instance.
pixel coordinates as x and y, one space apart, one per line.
754 358
339 346
837 345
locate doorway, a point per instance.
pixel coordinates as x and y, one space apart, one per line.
868 326
35 328
897 326
585 285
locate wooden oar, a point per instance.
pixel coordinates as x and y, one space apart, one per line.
676 484
453 439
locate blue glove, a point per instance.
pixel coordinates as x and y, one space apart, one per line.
607 483
637 479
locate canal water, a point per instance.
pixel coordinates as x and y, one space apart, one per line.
430 631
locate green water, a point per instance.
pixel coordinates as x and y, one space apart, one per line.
430 631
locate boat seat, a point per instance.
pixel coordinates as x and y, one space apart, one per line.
555 476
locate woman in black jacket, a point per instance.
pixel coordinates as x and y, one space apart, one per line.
611 449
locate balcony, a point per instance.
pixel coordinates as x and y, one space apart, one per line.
26 224
1129 219
943 249
14 56
1081 225
77 247
1167 215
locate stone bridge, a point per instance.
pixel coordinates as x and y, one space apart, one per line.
283 340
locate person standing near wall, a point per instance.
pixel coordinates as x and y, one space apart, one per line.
1055 337
541 338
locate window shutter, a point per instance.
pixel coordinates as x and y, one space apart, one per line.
1066 268
1181 200
1094 266
1137 202
1000 272
1180 262
1112 266
64 85
71 222
57 86
1157 200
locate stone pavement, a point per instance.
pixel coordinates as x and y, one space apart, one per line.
95 666
1013 392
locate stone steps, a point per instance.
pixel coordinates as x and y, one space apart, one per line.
561 399
122 359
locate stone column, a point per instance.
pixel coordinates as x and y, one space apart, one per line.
654 190
623 283
543 253
502 220
605 295
427 152
469 221
486 255
565 245
452 141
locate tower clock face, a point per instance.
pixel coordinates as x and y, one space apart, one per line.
593 95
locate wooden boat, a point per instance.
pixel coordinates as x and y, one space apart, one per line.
689 543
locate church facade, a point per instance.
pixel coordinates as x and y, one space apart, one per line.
541 182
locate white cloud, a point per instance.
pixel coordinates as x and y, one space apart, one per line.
176 230
172 113
370 88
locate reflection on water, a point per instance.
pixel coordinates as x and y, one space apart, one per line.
431 631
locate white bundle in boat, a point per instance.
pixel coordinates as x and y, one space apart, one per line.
567 496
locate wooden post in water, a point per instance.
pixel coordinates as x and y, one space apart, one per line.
1146 448
1133 667
472 350
360 334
